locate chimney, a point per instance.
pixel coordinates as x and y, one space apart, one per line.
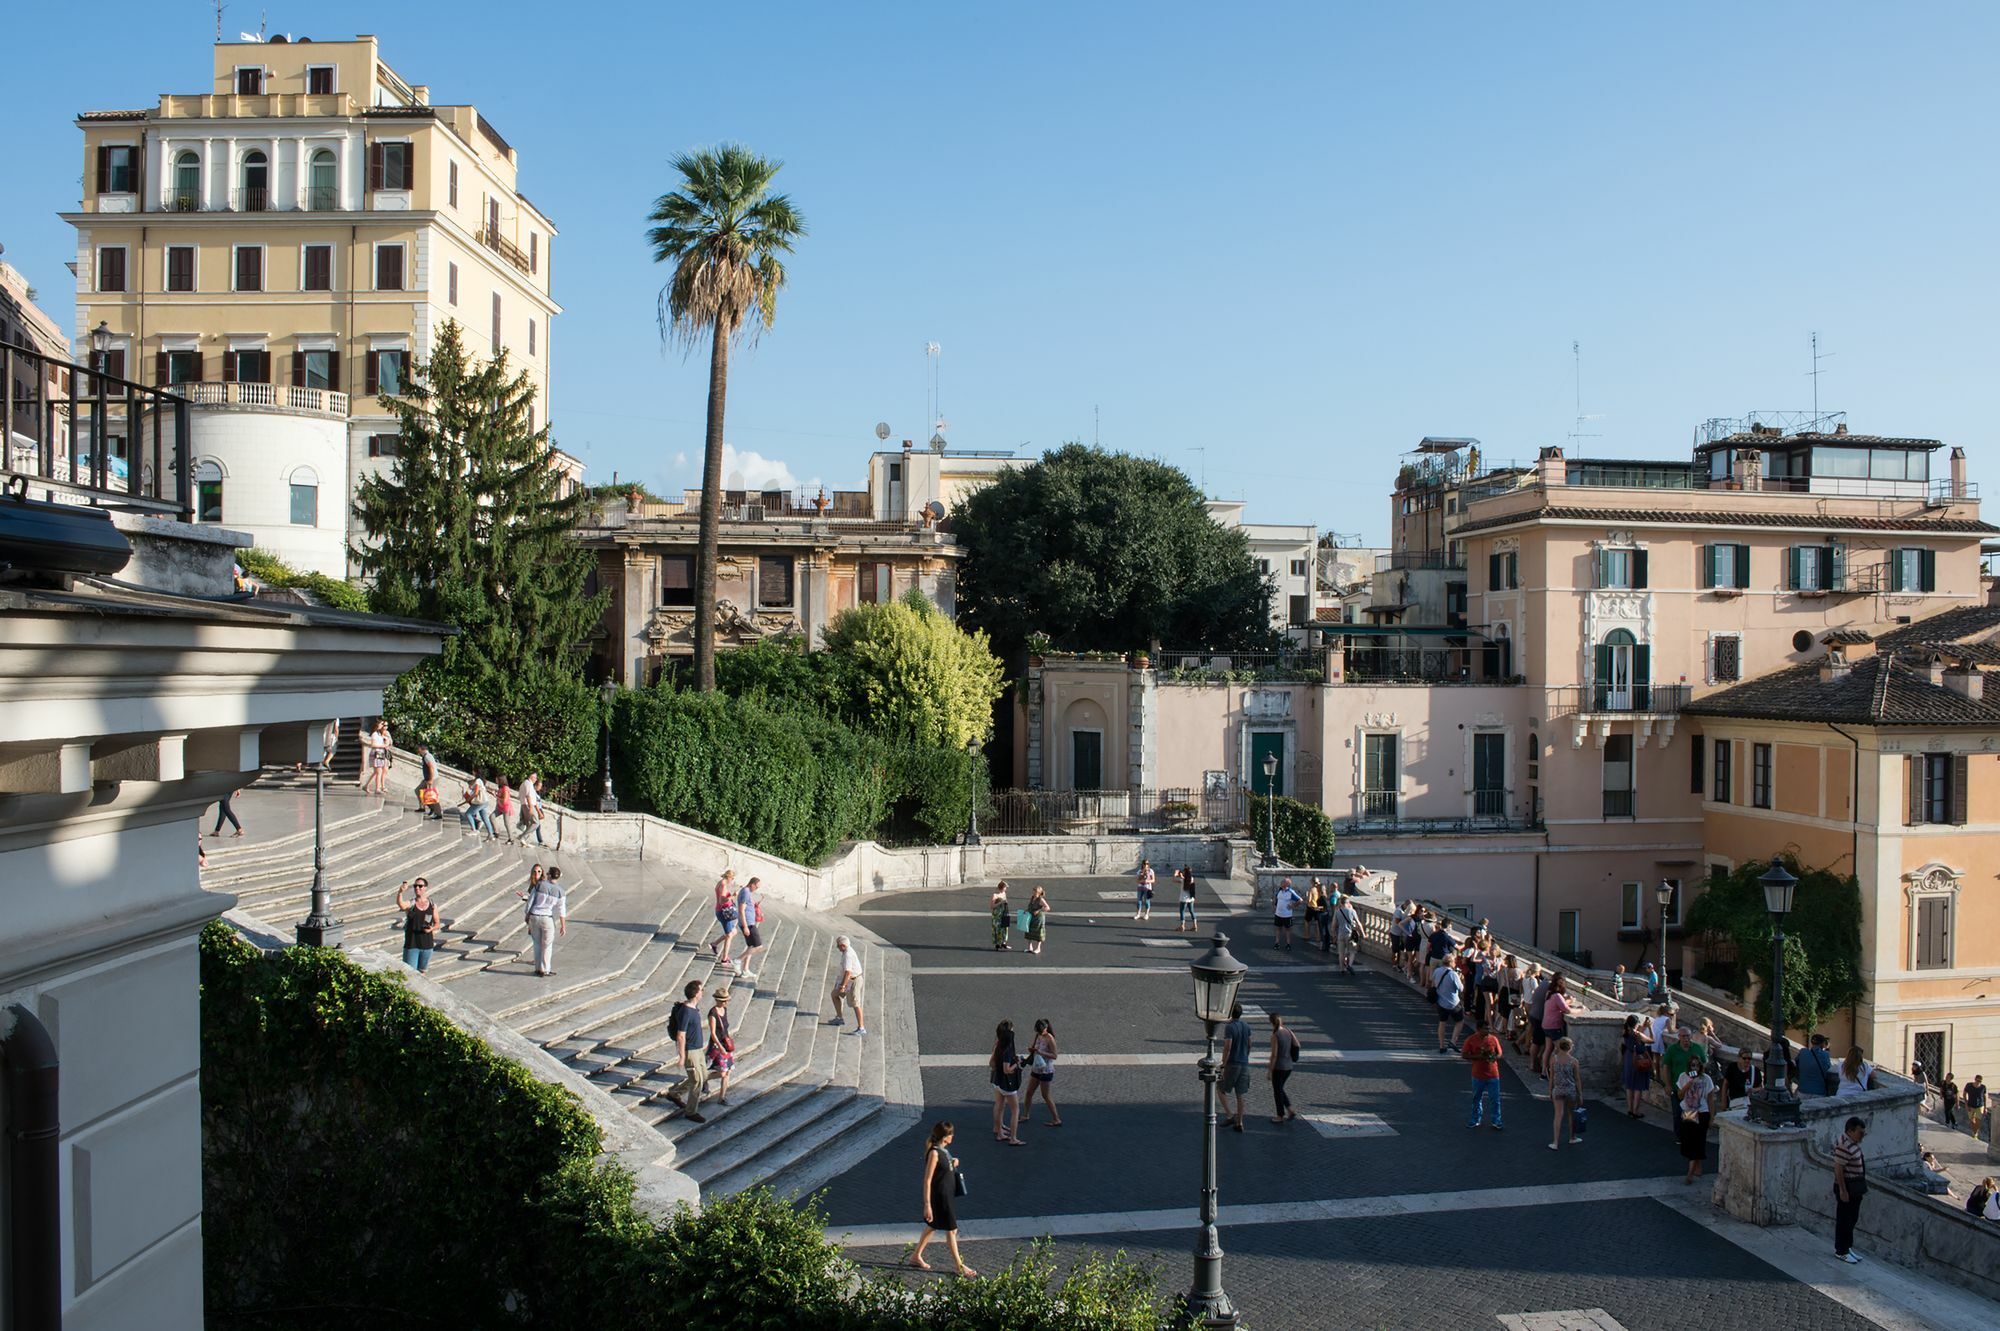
1965 679
1748 469
1840 428
1550 469
1834 667
1957 472
1937 670
906 445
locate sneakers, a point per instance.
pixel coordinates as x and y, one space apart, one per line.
861 1030
746 975
1847 1257
833 1021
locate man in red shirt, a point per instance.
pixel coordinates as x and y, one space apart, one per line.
1482 1050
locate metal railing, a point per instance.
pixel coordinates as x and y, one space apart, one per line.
1489 804
1395 825
1596 699
322 198
253 199
1094 812
1412 559
505 248
289 396
1203 666
1441 665
1380 804
184 203
73 435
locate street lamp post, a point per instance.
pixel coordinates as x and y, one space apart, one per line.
100 351
1773 1103
608 801
972 798
1217 975
319 928
1270 811
1664 894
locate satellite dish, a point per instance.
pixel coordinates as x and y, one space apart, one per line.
935 509
937 443
882 431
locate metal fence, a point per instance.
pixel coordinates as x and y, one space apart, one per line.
1202 666
68 433
1095 812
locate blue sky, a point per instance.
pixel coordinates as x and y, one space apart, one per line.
1296 237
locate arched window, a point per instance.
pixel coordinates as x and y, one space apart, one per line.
208 491
320 190
305 497
187 182
256 182
1621 674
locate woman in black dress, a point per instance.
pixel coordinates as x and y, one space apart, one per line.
940 1192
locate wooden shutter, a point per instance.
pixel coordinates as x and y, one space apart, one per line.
1493 573
374 375
1794 562
375 155
1638 568
534 252
333 371
1513 569
298 369
1926 570
1695 770
229 367
103 170
160 368
1708 566
1958 791
1600 680
1913 782
1642 677
1742 579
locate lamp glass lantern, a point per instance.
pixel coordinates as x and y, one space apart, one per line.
100 339
1773 1104
1780 886
1217 976
1664 894
1270 771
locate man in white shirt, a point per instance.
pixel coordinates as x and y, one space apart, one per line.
1346 924
847 984
749 919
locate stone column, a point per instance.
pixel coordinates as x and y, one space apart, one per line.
1032 695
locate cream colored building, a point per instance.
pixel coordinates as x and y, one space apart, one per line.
34 388
287 243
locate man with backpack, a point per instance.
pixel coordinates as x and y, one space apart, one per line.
1816 1074
1449 987
749 915
685 1022
1347 931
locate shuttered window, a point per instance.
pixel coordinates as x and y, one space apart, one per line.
1618 789
1697 770
319 80
1936 786
498 341
249 268
451 283
1933 924
1621 569
1724 752
1760 776
117 169
180 268
451 184
774 581
676 579
1913 569
111 268
317 268
1725 566
388 267
389 166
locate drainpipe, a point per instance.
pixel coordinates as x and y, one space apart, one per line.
1853 801
34 1216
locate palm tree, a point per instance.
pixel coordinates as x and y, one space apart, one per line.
724 232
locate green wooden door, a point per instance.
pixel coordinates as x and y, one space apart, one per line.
1260 746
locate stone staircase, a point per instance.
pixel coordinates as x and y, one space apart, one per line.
806 1100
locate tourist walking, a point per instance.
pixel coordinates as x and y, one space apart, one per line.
1038 919
1975 1102
1284 1059
1002 917
224 813
503 807
1857 1074
1682 1053
847 987
547 919
1635 1073
375 772
1740 1076
1234 1081
420 923
1850 1185
1042 1054
940 1197
686 1024
1143 906
721 1049
725 917
1816 1072
1656 984
1565 1092
531 807
1448 989
427 776
1948 1096
1556 1007
1317 916
1282 908
749 922
1695 1099
1003 1069
1482 1050
1347 933
1187 900
477 813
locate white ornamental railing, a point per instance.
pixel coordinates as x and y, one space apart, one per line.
321 400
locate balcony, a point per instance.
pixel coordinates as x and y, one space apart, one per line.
505 248
1597 699
1380 805
253 199
284 397
322 199
1386 665
1412 559
1372 825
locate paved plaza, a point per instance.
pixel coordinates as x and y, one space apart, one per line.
1388 1212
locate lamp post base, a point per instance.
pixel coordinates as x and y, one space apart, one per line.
1774 1107
322 933
1213 1314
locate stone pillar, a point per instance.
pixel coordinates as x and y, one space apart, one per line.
1033 696
1140 706
1757 1170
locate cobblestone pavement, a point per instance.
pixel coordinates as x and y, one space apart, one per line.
1130 1142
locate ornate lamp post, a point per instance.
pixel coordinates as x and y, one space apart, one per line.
319 928
1664 894
607 802
972 797
1270 860
100 351
1773 1103
1217 975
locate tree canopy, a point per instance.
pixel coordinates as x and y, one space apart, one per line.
1105 551
1822 938
915 673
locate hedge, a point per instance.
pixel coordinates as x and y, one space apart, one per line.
538 720
1305 833
272 571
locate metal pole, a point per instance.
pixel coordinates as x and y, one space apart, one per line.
1270 823
320 929
34 1183
609 802
1208 1306
1664 984
972 801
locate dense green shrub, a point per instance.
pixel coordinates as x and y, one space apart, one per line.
1029 1294
272 571
1822 937
538 719
1305 833
931 787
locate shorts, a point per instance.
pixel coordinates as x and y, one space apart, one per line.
1450 1013
727 919
1541 1033
752 936
378 759
1281 921
1235 1079
853 994
1043 1077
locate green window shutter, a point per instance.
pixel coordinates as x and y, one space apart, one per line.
1513 570
1638 568
1600 677
1895 570
1927 570
1708 566
1958 792
1642 677
1792 564
1603 568
1493 573
1743 567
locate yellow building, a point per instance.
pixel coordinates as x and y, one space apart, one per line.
287 243
1881 758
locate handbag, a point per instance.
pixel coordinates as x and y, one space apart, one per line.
958 1183
1642 1061
1579 1118
1022 920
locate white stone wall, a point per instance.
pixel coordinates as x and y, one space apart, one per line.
259 452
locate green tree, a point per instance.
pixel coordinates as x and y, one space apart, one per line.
915 673
724 232
1822 938
1105 552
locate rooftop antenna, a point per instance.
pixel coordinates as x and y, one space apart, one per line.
219 6
1817 357
1576 431
1095 421
933 411
1204 469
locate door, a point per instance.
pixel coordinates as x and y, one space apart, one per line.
1086 757
1489 775
1261 746
1619 697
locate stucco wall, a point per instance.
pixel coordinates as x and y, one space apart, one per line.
259 454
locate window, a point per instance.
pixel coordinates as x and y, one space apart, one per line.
385 445
1760 776
117 169
319 80
305 498
1381 775
676 579
249 82
1503 571
247 366
1298 568
1569 933
1622 674
531 337
322 190
1937 787
385 372
249 268
388 267
1632 906
314 368
774 581
1933 934
1815 568
1725 567
180 367
256 196
1724 753
389 166
180 268
1618 776
451 283
534 252
1621 568
111 268
114 366
451 184
498 342
1534 757
895 472
1913 570
1489 774
316 268
1725 657
875 583
1697 769
1264 567
187 183
208 492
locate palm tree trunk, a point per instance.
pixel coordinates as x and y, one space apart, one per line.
711 513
